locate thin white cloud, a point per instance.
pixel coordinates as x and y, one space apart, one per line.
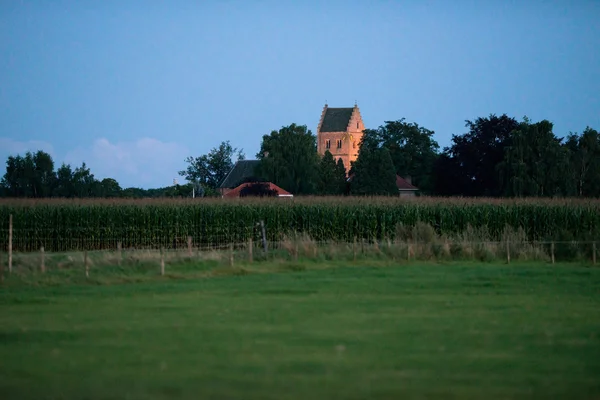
11 147
143 163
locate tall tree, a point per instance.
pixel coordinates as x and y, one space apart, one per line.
289 159
340 176
84 182
584 160
211 169
109 188
29 176
535 163
412 149
64 182
332 175
374 173
468 166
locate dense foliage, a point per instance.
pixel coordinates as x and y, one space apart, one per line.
497 156
100 225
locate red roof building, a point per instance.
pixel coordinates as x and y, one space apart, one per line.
236 192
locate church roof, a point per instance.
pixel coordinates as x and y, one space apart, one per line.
336 119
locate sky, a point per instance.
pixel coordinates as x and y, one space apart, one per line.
132 88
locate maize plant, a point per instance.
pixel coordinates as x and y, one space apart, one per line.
97 225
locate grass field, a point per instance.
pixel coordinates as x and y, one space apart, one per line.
324 331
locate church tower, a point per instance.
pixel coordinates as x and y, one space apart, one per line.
340 131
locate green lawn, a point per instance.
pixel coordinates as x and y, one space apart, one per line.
420 331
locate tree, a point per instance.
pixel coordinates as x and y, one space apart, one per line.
84 183
412 149
210 170
535 163
109 188
332 175
29 176
289 159
468 166
374 173
584 162
64 182
340 177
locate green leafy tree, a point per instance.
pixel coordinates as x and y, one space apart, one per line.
340 177
109 188
211 169
64 182
535 162
327 184
289 159
29 176
584 162
84 183
412 149
468 166
374 173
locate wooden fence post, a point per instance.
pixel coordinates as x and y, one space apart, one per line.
119 253
264 235
296 252
354 249
10 237
85 262
231 254
508 252
42 263
552 252
250 256
162 262
189 243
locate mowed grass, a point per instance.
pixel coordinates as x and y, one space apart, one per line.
348 332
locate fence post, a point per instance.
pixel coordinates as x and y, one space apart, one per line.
264 235
231 254
552 252
507 251
296 252
408 250
162 261
250 257
354 248
119 253
189 243
42 263
10 233
85 262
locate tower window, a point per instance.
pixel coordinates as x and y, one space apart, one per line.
357 125
353 145
339 143
328 144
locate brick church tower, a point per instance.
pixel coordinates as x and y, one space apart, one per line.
340 131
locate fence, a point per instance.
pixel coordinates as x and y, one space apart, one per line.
45 251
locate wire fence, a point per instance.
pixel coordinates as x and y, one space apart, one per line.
42 249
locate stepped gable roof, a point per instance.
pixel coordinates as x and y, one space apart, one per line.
336 119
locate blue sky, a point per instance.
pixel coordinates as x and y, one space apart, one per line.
134 87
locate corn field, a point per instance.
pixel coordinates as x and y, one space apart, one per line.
98 225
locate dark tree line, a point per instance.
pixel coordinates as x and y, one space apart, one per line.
33 176
502 157
497 156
